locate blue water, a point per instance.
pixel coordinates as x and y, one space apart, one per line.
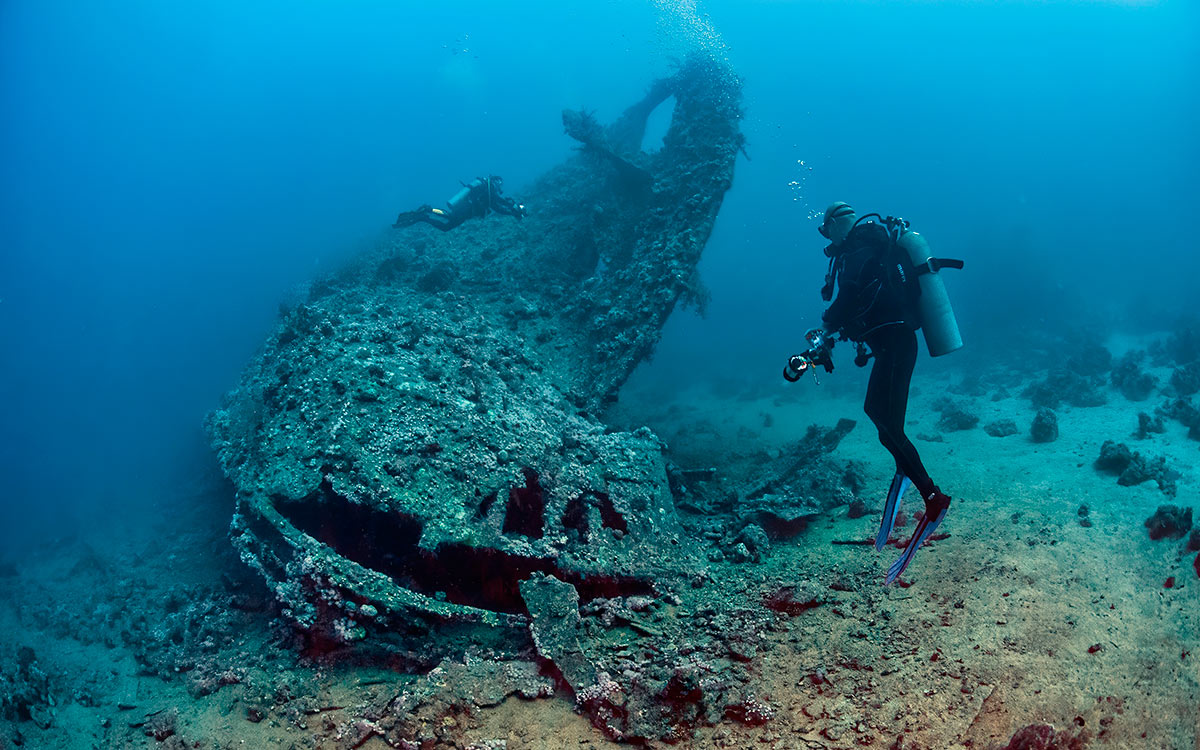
172 171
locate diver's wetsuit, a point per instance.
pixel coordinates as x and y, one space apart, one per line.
476 199
866 310
895 350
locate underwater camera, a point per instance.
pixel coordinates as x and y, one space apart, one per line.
818 353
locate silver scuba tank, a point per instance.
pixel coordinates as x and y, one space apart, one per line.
937 317
458 202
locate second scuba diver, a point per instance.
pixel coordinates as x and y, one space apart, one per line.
477 198
887 289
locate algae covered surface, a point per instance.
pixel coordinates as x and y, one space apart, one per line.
802 648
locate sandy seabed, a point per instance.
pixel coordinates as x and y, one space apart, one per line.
1022 615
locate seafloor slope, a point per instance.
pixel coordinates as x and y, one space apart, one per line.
149 633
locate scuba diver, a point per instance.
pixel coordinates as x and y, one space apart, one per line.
477 198
888 287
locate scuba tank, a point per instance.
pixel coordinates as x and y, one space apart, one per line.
937 317
467 199
462 197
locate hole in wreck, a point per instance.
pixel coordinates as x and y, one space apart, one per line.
575 518
609 517
657 125
485 505
575 515
387 542
526 512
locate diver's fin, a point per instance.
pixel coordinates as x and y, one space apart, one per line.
924 530
891 508
408 218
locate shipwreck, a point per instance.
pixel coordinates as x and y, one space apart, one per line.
421 434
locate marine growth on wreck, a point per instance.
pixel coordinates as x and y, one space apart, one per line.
421 435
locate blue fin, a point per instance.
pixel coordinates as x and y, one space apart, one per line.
891 508
923 532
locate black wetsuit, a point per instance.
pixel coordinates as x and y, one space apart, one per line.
866 310
477 199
